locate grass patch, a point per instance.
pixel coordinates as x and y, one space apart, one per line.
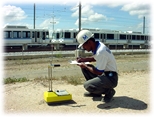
37 79
59 55
13 80
72 80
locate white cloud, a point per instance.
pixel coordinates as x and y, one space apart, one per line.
88 15
48 23
76 13
139 9
74 8
86 11
13 13
109 3
97 17
115 4
84 21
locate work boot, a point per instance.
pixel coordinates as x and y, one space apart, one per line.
108 96
88 94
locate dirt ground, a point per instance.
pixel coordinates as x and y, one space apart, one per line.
132 93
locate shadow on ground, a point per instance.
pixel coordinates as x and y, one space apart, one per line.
124 102
70 103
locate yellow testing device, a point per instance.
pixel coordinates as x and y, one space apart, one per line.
55 96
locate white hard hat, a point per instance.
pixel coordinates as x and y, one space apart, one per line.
83 36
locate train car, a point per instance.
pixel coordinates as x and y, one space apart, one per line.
119 39
112 38
55 37
65 37
19 35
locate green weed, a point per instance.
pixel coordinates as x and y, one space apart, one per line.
13 80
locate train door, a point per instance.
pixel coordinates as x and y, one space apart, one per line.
43 37
39 40
74 37
147 39
128 38
103 38
35 37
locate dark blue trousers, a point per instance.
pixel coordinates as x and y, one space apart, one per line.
99 84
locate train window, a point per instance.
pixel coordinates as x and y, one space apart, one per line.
7 34
110 36
33 34
47 35
133 37
74 35
96 35
26 34
43 35
142 37
58 35
123 37
38 34
67 35
138 37
16 34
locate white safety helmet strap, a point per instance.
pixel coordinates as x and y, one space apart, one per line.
83 36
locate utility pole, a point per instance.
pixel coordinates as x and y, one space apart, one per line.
79 16
144 25
53 22
34 15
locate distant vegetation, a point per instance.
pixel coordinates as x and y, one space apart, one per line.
44 80
13 80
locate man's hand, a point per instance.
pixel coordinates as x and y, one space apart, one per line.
80 59
82 65
90 68
87 59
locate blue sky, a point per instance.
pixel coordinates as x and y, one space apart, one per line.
109 14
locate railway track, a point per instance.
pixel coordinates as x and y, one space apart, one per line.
49 48
36 48
44 54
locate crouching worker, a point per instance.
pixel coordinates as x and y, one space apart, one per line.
102 78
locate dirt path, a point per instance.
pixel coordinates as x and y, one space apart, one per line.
132 93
